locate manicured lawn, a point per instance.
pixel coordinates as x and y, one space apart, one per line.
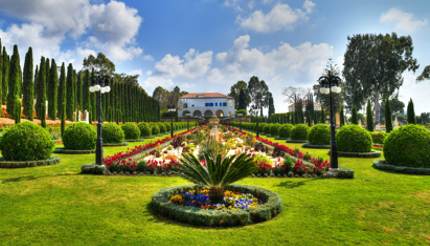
55 205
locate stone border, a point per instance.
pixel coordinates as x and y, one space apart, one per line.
134 140
384 166
73 151
161 206
115 144
23 164
315 146
296 141
372 154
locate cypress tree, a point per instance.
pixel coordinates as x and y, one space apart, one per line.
41 92
354 116
52 91
70 97
79 82
369 117
15 83
28 85
85 90
5 78
47 71
342 116
388 121
61 107
411 112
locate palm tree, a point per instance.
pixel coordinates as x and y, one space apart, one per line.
216 172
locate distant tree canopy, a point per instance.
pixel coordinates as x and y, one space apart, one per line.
239 91
167 98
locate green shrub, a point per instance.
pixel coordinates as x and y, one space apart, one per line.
274 129
80 136
162 127
300 132
266 128
26 142
131 131
353 138
408 146
378 137
112 133
285 131
155 129
319 134
145 130
167 125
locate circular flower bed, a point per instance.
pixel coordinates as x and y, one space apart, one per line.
408 146
241 205
77 137
26 142
355 141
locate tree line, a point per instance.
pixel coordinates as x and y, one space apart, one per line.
50 91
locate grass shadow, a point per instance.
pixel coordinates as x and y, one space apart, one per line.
31 177
288 184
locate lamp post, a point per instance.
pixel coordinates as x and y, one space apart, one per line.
172 110
329 85
99 88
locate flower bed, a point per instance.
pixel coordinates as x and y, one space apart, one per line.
242 205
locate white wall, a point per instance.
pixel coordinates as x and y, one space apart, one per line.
194 104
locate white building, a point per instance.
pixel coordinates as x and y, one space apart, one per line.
206 105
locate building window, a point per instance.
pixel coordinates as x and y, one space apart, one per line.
185 105
224 104
216 104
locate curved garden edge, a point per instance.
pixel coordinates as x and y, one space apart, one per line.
24 164
73 151
372 154
384 166
296 141
315 146
115 144
161 206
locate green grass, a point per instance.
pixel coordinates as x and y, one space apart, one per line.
55 205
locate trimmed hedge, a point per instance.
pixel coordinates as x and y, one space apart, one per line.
408 146
354 139
300 132
26 142
378 137
274 129
80 136
319 135
217 218
145 129
285 131
155 129
112 133
131 131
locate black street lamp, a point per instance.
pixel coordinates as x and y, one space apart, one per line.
99 88
329 85
172 110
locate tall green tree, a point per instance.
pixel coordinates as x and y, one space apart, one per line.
388 116
41 92
15 83
310 109
342 116
85 90
411 112
5 78
70 95
271 105
61 97
28 85
374 66
240 94
53 91
354 116
425 74
258 92
369 117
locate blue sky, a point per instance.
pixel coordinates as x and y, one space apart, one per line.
208 45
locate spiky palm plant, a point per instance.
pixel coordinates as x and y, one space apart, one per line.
216 172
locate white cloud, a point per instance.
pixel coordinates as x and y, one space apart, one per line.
284 65
107 27
402 21
280 17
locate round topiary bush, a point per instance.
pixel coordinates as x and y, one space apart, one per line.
408 146
112 133
145 130
354 139
162 127
131 131
319 134
266 129
285 131
274 129
155 129
26 142
378 137
300 132
80 136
